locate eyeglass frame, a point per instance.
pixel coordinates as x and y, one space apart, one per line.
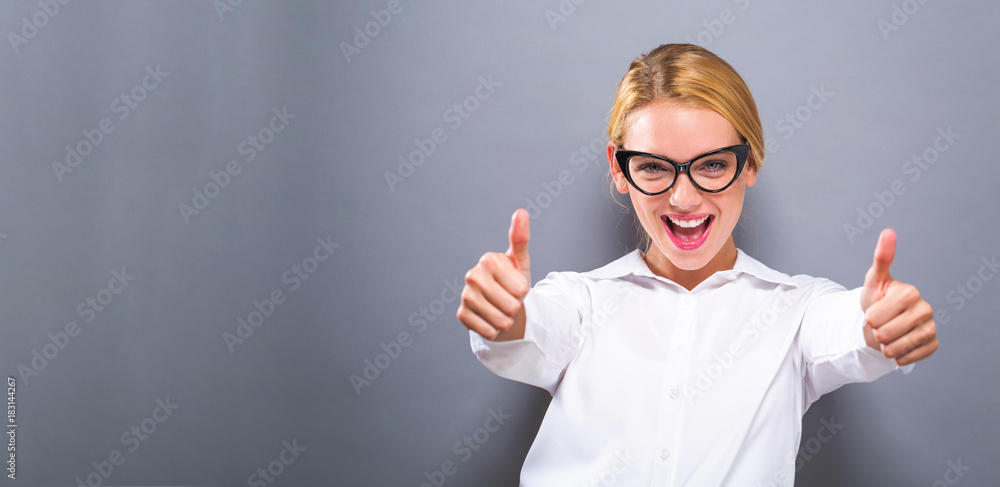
742 152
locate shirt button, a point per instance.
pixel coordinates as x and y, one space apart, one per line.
675 393
664 454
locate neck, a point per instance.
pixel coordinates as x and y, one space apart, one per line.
724 260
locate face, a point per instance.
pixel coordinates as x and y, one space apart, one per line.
691 231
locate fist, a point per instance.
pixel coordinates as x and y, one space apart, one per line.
492 303
898 322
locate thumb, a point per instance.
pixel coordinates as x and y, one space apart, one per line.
885 251
518 235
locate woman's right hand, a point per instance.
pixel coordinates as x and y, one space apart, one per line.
492 303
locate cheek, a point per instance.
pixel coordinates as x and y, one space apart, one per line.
643 204
731 206
647 209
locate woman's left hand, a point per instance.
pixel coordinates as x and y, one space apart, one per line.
899 323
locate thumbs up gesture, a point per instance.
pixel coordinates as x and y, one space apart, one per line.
492 302
898 322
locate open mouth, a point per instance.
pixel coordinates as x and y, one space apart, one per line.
689 232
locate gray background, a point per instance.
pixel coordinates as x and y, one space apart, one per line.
324 175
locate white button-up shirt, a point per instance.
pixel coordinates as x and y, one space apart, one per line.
656 385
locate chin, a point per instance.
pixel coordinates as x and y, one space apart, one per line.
686 260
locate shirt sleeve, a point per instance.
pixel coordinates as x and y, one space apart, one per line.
554 310
833 344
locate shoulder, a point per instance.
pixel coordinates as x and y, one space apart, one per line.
747 265
630 263
583 285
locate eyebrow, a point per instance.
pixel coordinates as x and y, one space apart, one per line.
743 141
695 157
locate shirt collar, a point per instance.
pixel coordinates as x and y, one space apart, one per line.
633 263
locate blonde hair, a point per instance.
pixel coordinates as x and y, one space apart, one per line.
694 76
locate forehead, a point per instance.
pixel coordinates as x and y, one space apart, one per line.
678 131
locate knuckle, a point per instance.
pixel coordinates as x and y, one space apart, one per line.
871 319
505 323
489 260
910 293
926 310
927 334
474 279
463 316
521 287
512 307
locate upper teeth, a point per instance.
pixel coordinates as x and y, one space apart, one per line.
688 223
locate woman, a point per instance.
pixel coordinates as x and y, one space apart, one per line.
689 363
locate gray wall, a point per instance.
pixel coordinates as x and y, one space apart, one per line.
162 338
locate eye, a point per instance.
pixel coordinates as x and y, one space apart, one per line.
648 167
712 166
651 167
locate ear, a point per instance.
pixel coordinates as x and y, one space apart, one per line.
621 184
751 173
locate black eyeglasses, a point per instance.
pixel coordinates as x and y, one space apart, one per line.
711 172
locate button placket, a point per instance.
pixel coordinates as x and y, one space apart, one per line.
672 409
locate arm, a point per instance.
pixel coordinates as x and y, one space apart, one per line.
554 311
860 335
833 346
517 334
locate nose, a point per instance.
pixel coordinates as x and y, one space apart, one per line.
684 195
